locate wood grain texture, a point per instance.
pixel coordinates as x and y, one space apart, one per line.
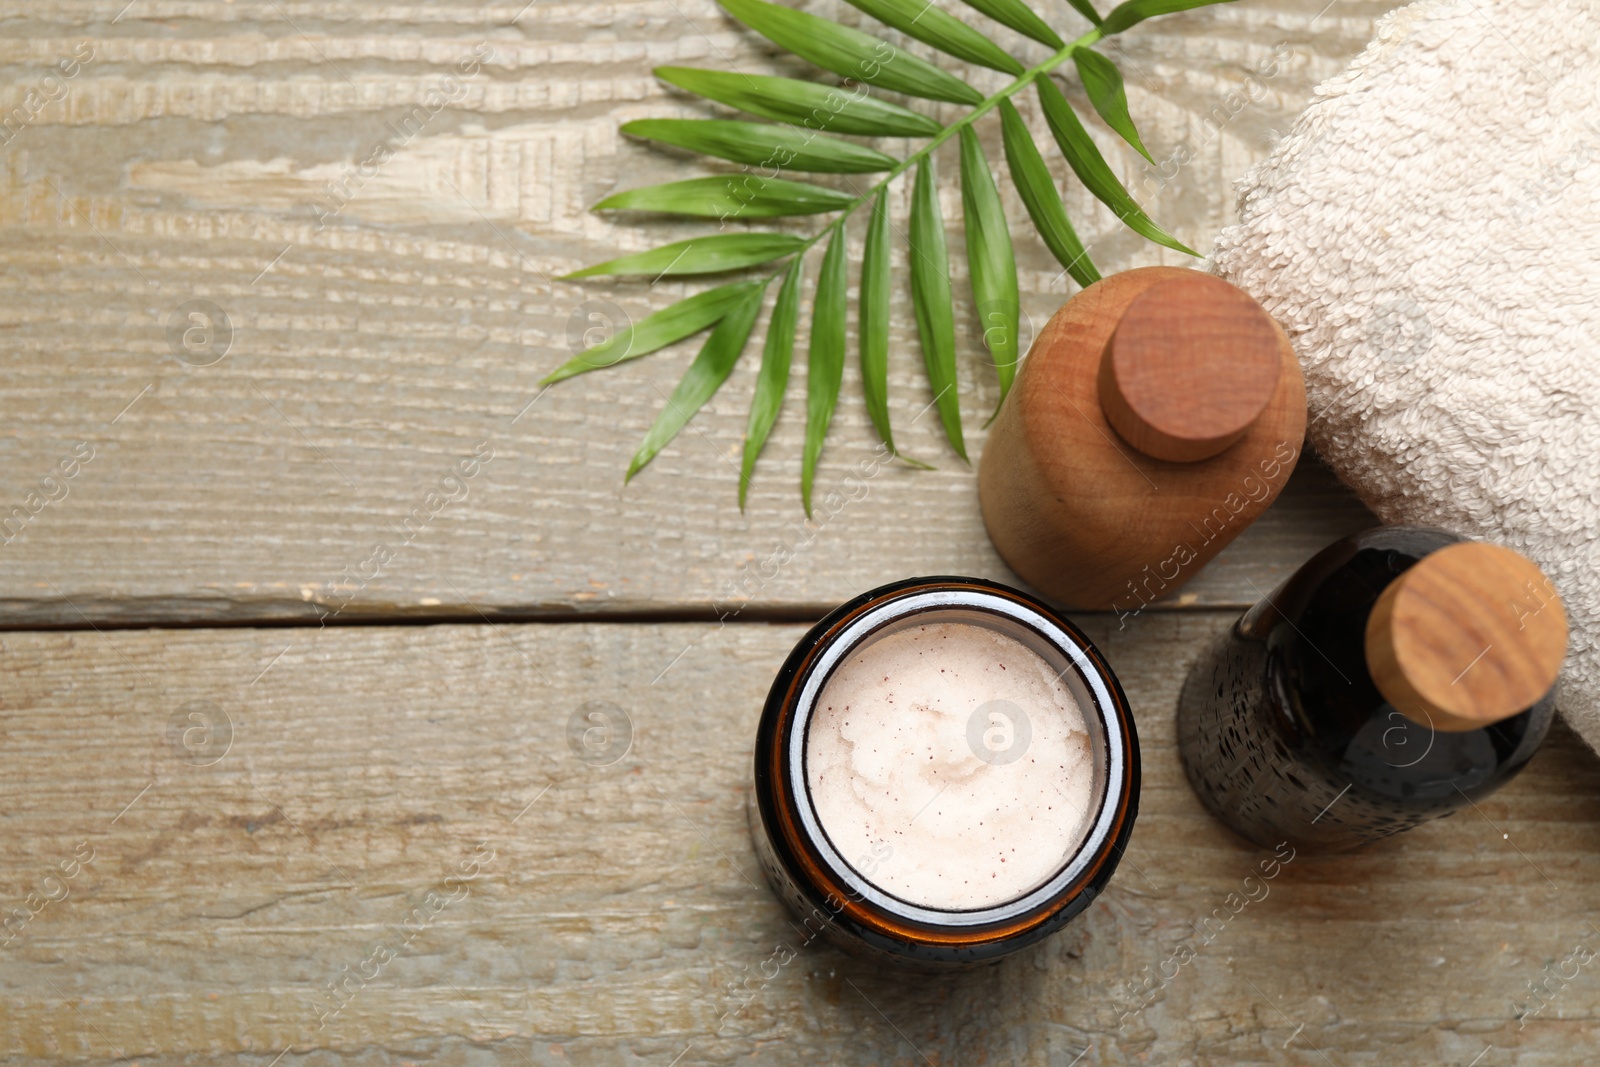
1192 364
383 328
1471 634
1081 514
623 901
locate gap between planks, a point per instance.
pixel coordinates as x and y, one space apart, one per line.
200 614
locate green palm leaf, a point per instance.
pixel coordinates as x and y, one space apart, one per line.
850 53
930 298
670 324
700 255
1103 82
1086 9
810 122
730 196
1039 196
799 103
824 359
703 378
758 145
1136 11
989 260
773 378
874 330
928 24
1093 170
1020 17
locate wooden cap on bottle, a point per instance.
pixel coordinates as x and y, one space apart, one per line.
1470 635
1193 362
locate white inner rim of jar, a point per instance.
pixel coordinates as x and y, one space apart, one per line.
1096 716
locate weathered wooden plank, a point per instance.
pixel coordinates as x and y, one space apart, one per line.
380 333
622 902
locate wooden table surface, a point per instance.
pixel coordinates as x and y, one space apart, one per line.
236 767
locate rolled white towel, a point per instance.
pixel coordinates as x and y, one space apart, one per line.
1429 234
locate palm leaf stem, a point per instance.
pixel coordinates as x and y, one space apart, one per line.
1023 80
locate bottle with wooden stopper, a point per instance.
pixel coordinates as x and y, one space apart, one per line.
1401 674
1157 415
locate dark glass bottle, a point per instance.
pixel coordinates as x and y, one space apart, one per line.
1286 735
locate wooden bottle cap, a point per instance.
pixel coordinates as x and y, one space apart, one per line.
1193 362
1471 634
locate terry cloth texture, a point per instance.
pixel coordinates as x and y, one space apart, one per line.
1429 235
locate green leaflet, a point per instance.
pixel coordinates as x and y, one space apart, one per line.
850 53
825 359
711 254
931 300
800 103
670 324
703 378
1086 9
989 260
1091 167
930 25
730 196
1103 82
874 329
774 376
757 144
1039 195
1136 11
1020 17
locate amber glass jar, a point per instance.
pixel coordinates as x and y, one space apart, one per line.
1060 855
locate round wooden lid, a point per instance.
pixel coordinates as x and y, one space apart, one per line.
1193 362
1471 634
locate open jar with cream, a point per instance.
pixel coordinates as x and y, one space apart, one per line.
946 771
